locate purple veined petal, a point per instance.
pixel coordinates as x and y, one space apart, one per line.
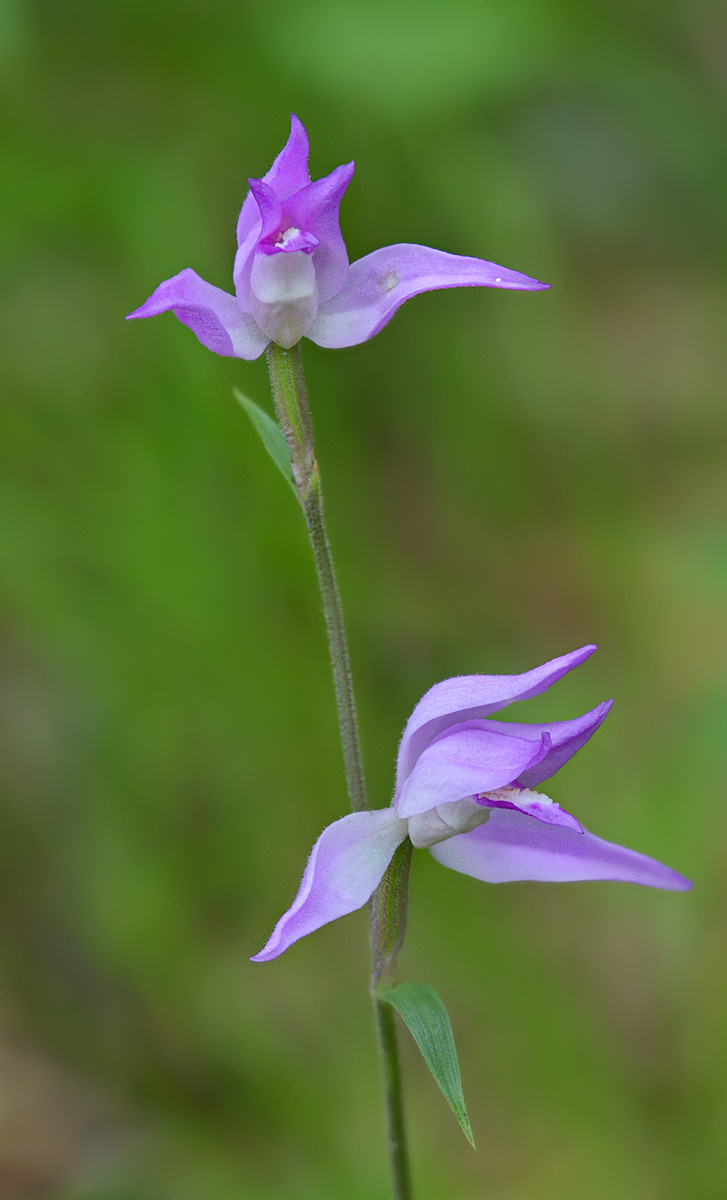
288 174
213 315
465 763
466 696
345 866
315 209
513 847
380 283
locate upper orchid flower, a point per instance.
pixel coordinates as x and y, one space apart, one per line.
465 790
292 276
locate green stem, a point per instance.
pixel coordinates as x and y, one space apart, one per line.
342 678
393 1099
389 903
388 927
291 405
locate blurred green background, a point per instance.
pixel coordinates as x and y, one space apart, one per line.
508 476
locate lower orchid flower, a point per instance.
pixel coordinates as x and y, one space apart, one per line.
466 790
292 275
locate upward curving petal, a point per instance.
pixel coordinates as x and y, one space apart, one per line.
464 763
315 210
288 174
345 866
467 696
566 739
512 847
213 315
269 208
379 284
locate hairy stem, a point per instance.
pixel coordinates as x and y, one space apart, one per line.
291 405
389 902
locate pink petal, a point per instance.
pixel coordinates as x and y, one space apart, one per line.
511 846
269 207
463 763
532 804
288 174
315 210
213 315
566 739
267 224
345 867
466 696
380 283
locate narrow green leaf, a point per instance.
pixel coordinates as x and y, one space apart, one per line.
271 435
427 1020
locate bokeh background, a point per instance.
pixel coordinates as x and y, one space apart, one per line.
508 476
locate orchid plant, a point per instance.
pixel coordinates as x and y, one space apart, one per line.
466 786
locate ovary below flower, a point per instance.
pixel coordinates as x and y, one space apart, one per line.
466 790
292 275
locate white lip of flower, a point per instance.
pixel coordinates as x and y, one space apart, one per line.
287 236
284 293
518 796
462 816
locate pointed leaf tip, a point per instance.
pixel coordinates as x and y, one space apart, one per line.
271 435
427 1020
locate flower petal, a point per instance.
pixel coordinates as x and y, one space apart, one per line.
269 208
315 209
511 846
213 315
463 764
345 866
288 174
532 804
566 739
283 295
380 283
465 696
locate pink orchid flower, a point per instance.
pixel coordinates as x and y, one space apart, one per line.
466 791
292 275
